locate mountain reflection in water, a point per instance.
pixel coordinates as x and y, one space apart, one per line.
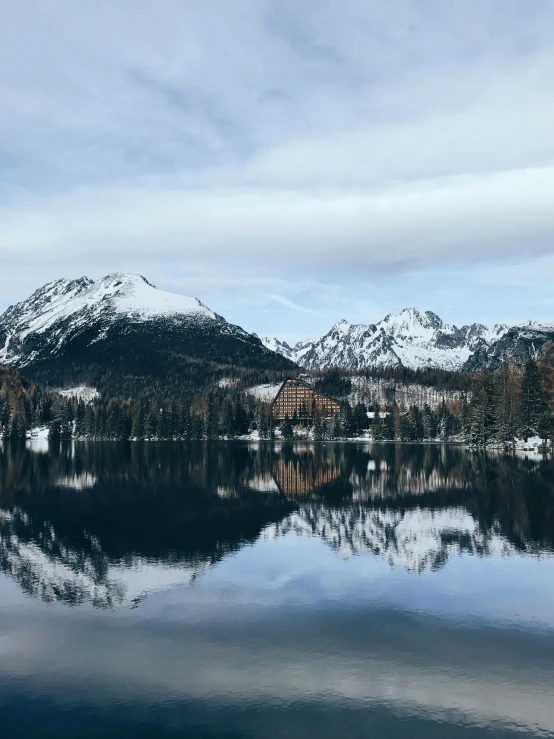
106 523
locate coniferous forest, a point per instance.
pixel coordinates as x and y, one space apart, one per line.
492 409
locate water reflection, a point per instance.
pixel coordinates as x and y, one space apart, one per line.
107 523
305 618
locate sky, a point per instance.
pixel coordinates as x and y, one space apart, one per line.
290 164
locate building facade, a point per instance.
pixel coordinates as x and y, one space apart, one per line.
296 397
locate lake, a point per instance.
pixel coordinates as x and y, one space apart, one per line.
275 590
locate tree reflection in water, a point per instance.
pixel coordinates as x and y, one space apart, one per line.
79 521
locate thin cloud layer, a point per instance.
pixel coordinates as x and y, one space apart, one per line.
203 143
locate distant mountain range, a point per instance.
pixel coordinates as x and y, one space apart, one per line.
416 339
123 336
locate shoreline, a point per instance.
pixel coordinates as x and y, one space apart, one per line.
519 448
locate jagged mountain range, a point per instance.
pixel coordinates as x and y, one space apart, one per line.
416 339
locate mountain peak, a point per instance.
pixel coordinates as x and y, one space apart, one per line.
64 308
121 323
125 278
342 326
412 315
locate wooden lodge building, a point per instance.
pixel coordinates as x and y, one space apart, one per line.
297 397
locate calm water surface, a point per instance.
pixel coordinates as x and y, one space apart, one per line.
236 590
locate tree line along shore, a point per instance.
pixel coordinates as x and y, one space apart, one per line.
494 409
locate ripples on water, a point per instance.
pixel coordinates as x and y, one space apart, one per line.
236 590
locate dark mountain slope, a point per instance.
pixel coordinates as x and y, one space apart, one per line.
125 337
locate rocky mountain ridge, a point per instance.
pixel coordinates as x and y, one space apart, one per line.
416 340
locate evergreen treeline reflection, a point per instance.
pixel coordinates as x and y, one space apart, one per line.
76 519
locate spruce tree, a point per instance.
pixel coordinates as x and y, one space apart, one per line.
533 399
415 424
378 425
287 431
212 418
482 410
507 405
389 425
80 419
241 418
151 424
429 425
345 420
137 430
319 428
359 419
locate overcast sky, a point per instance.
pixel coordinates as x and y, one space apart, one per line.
289 163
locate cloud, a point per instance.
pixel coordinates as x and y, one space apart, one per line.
291 304
459 219
352 142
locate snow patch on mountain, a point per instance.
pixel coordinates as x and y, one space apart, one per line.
265 393
372 390
80 392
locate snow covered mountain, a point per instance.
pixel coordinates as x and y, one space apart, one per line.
416 339
121 324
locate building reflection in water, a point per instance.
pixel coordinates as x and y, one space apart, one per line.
302 471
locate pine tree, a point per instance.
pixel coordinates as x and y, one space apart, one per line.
445 422
464 419
415 424
378 425
287 431
533 399
389 425
89 423
482 410
345 420
54 429
429 425
545 428
151 424
80 419
211 418
319 429
507 405
241 418
402 426
360 420
137 430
